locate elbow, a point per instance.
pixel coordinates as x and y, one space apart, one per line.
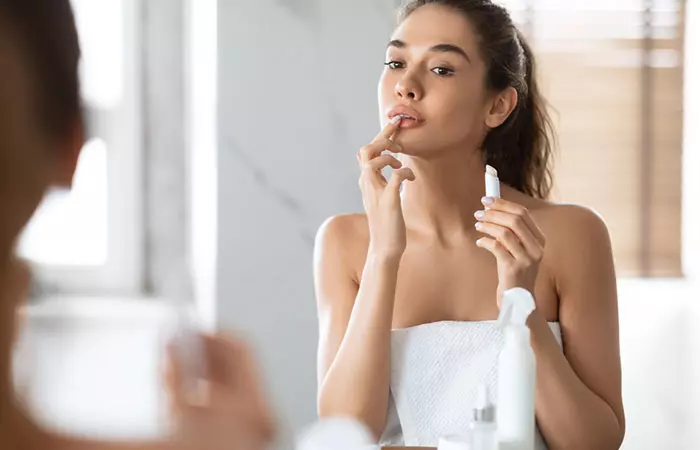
620 435
610 441
616 434
607 438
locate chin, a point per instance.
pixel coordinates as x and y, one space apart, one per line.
417 143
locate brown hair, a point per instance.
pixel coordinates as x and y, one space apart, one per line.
522 147
46 30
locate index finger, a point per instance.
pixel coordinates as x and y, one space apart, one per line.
390 130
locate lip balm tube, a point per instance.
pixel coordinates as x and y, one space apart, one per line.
493 185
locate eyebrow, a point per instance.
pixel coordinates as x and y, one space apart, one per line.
439 48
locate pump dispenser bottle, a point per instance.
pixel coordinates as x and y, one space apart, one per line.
515 416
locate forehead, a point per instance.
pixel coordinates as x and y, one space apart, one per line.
437 24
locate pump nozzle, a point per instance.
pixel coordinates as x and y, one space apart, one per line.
516 306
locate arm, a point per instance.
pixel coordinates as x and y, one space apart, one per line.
355 322
354 353
579 399
578 396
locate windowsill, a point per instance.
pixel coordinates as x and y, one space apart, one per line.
78 307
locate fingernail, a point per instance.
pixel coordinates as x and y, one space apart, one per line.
488 201
477 225
479 215
395 119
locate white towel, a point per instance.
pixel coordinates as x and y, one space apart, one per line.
436 370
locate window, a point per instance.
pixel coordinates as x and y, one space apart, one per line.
613 73
70 228
88 240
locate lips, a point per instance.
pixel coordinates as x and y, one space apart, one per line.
405 113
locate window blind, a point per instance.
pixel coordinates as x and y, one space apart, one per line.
613 75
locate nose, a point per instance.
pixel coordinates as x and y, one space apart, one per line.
407 88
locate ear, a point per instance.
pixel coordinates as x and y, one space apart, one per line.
68 157
502 106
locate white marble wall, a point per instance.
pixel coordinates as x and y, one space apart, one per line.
297 93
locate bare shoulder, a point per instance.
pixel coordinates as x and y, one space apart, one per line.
344 230
564 223
342 240
571 225
578 250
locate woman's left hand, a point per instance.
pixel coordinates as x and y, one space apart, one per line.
516 241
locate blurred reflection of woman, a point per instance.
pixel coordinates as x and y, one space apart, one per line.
40 139
418 279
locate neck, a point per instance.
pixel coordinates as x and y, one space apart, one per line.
447 191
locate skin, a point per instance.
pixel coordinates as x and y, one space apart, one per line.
233 416
417 256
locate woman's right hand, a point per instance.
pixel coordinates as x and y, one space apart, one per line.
380 197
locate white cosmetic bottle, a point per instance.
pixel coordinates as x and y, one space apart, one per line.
515 416
483 425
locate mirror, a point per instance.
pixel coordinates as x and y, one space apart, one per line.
316 178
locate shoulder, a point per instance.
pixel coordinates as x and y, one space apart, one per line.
342 229
576 225
568 223
578 251
342 238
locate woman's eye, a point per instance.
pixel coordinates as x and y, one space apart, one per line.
443 71
393 65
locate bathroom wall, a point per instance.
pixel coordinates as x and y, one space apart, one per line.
297 84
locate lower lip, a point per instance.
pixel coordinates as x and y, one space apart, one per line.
410 123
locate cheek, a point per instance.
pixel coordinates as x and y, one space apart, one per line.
457 110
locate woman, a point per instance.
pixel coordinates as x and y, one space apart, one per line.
41 134
428 263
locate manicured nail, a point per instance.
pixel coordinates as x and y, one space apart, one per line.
478 225
488 201
396 119
479 215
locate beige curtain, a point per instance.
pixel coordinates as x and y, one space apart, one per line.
612 71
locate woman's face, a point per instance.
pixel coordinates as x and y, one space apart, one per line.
28 158
434 71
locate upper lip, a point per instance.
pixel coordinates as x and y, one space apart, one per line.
403 109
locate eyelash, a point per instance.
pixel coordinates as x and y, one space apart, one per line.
448 72
394 65
391 65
